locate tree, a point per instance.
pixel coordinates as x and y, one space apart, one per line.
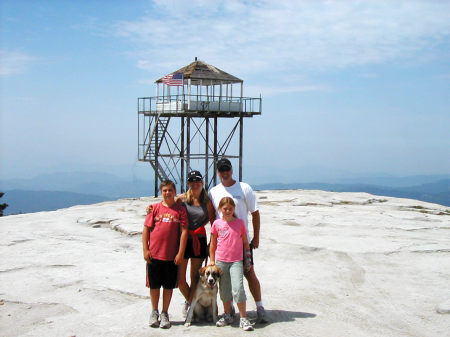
2 206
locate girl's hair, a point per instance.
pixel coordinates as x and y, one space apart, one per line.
225 201
204 199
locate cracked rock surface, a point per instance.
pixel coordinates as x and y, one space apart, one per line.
330 264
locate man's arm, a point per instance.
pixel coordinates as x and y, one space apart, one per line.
247 252
256 226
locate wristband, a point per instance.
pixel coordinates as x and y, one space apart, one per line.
247 258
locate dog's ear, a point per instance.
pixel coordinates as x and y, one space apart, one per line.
219 270
201 271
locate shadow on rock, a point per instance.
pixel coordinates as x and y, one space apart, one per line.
279 316
273 316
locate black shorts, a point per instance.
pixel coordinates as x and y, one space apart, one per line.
162 274
189 252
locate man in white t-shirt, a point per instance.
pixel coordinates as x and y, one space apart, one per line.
245 201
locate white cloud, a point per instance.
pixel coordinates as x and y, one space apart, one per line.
250 37
13 62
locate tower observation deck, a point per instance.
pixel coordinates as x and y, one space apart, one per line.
178 129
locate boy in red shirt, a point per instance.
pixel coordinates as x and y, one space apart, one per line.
164 240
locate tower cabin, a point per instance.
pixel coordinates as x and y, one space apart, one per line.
196 91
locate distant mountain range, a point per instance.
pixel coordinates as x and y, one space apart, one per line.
92 183
23 201
49 192
59 190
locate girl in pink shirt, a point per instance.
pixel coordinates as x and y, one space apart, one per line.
228 242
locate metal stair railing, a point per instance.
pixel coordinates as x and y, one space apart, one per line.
159 171
155 140
160 126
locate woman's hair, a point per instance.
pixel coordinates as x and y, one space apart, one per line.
204 199
225 201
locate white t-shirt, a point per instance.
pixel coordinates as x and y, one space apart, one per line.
243 196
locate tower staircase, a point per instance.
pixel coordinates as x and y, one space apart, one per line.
155 141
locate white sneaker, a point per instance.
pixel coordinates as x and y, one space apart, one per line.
154 319
245 324
225 320
165 323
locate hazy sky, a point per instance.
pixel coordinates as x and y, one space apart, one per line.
362 86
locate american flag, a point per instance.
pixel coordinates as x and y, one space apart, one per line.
175 79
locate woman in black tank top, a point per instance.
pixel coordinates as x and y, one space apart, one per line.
200 211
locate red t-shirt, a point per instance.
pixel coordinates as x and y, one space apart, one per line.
164 223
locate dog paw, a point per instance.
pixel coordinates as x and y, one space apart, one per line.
187 324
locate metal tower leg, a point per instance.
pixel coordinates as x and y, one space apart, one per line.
206 152
215 151
241 148
182 157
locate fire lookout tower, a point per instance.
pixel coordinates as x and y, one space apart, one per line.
178 129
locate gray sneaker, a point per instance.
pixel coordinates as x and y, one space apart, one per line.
225 320
245 324
154 319
261 315
165 323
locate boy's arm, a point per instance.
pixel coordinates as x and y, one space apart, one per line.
148 223
149 209
183 239
145 241
180 198
212 249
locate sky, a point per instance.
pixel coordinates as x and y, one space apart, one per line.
357 86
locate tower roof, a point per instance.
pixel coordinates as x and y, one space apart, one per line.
201 71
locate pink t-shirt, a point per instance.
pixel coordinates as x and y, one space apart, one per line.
229 240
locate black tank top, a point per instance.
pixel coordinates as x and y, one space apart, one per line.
197 215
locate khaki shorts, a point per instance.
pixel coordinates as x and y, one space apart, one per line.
232 281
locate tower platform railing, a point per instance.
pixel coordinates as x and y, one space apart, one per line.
199 105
